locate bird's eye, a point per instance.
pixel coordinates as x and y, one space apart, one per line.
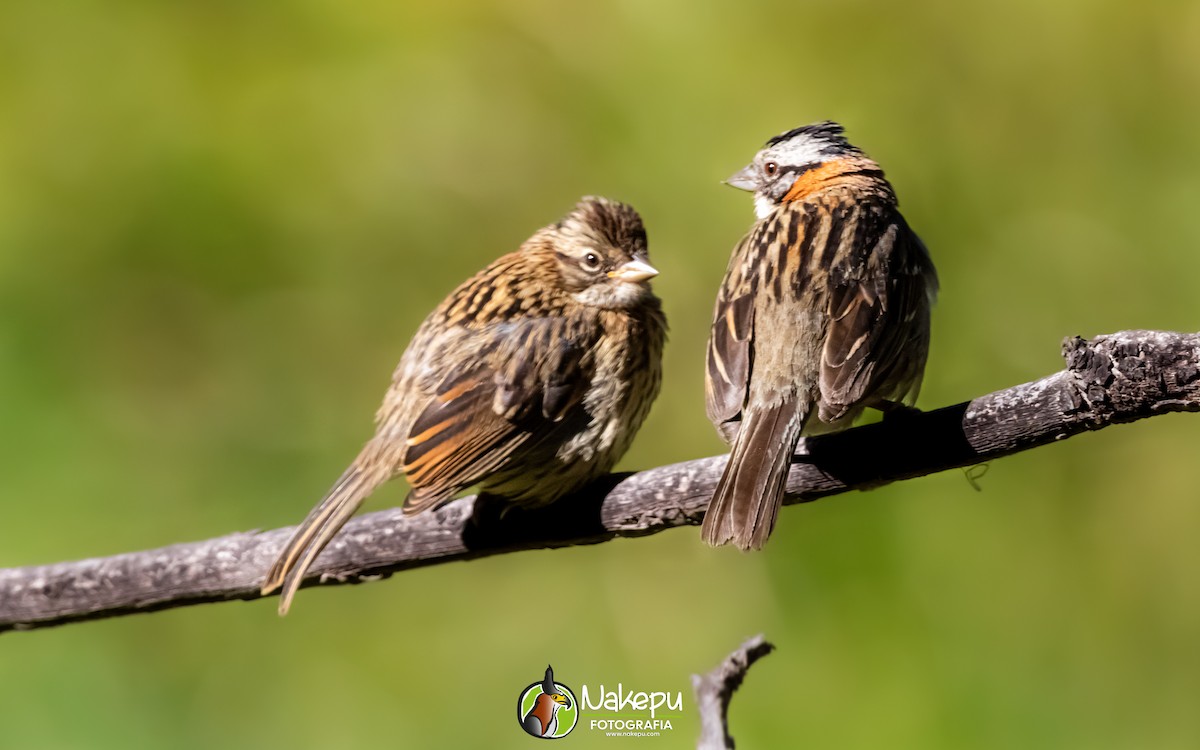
591 262
770 168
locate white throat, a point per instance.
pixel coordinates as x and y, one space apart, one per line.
763 206
614 295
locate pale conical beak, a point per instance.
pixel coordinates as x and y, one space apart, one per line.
633 271
746 179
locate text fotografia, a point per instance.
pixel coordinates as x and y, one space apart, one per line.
630 725
627 702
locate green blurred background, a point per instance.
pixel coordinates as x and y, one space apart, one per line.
221 221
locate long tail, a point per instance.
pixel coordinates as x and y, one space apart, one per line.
323 522
750 491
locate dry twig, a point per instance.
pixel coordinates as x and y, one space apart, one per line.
715 689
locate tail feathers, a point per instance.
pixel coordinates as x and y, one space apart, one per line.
750 491
322 524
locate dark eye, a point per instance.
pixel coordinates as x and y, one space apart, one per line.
770 168
591 262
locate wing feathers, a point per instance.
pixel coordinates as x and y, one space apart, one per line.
878 314
538 372
729 358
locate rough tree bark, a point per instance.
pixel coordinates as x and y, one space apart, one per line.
1110 380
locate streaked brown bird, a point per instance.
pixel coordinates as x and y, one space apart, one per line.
824 311
528 381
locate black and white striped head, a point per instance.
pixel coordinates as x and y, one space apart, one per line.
787 157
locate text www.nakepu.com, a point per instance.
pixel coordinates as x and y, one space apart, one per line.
632 734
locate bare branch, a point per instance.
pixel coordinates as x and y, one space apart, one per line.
1112 379
715 689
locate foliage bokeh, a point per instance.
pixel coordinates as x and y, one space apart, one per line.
220 222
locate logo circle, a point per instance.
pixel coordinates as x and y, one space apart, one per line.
547 718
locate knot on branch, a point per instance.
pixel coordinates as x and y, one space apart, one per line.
1131 374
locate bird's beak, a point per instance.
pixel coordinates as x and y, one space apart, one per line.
746 179
559 699
633 271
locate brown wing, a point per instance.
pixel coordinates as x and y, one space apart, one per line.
531 373
880 282
729 354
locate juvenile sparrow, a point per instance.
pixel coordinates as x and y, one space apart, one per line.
823 312
528 381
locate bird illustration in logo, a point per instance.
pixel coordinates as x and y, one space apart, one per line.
542 719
